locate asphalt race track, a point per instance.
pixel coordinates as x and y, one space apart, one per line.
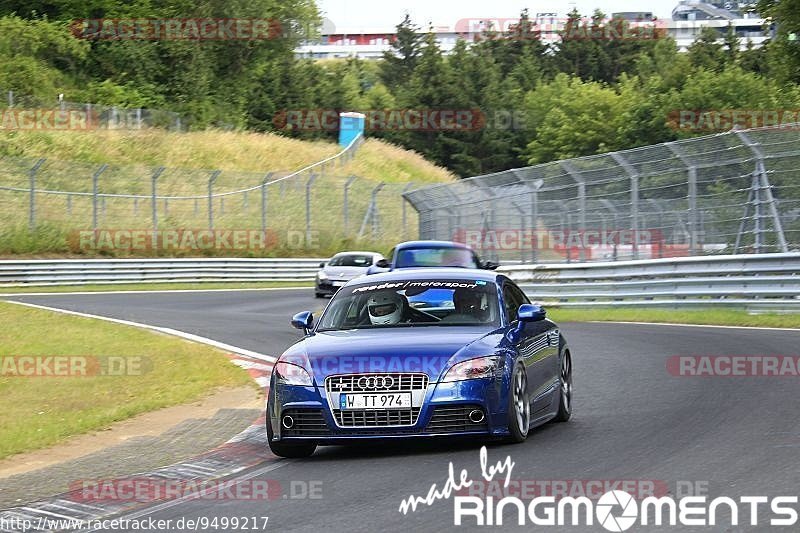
633 421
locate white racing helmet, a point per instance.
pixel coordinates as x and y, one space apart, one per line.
385 308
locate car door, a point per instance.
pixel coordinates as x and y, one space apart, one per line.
536 348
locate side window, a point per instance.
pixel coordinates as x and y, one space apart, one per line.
523 299
511 302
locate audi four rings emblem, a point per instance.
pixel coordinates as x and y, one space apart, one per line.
376 382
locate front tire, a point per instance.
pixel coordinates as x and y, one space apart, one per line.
519 406
289 450
565 387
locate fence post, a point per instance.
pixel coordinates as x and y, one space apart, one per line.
660 216
32 179
309 183
346 206
211 180
95 180
535 241
575 175
761 183
153 180
403 199
371 216
264 183
376 222
692 193
634 176
69 205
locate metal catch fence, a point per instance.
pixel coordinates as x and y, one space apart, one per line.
736 192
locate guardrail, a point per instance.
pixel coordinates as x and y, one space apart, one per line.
762 281
26 273
757 282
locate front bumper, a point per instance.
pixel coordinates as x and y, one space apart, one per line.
327 286
443 412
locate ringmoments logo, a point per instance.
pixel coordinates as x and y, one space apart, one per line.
615 510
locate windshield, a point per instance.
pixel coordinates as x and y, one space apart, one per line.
408 303
436 257
351 260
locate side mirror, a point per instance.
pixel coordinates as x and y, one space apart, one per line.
382 263
304 321
490 265
322 265
531 313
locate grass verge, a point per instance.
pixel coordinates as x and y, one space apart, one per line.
41 411
712 317
156 287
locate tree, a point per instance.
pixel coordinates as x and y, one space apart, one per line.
706 52
784 50
732 44
399 63
573 118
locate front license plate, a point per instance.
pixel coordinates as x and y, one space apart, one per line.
386 400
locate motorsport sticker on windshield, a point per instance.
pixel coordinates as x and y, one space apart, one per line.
419 284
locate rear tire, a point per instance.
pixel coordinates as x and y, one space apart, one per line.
565 387
519 406
289 450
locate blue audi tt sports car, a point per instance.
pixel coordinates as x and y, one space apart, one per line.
419 353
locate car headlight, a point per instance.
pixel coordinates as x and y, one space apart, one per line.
289 374
480 367
322 275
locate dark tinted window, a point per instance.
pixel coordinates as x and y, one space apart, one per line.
351 260
513 297
435 257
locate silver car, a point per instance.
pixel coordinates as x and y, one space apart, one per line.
340 269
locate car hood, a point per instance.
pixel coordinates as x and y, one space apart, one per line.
344 273
415 349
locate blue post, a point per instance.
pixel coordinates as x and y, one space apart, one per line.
351 125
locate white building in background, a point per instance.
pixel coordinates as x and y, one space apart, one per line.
688 19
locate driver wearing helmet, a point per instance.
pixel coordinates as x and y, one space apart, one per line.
467 307
386 308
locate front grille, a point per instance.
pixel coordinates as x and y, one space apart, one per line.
354 418
366 382
307 423
454 419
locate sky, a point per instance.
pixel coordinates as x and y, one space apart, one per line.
388 13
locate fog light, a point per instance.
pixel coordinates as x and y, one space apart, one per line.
288 422
476 416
